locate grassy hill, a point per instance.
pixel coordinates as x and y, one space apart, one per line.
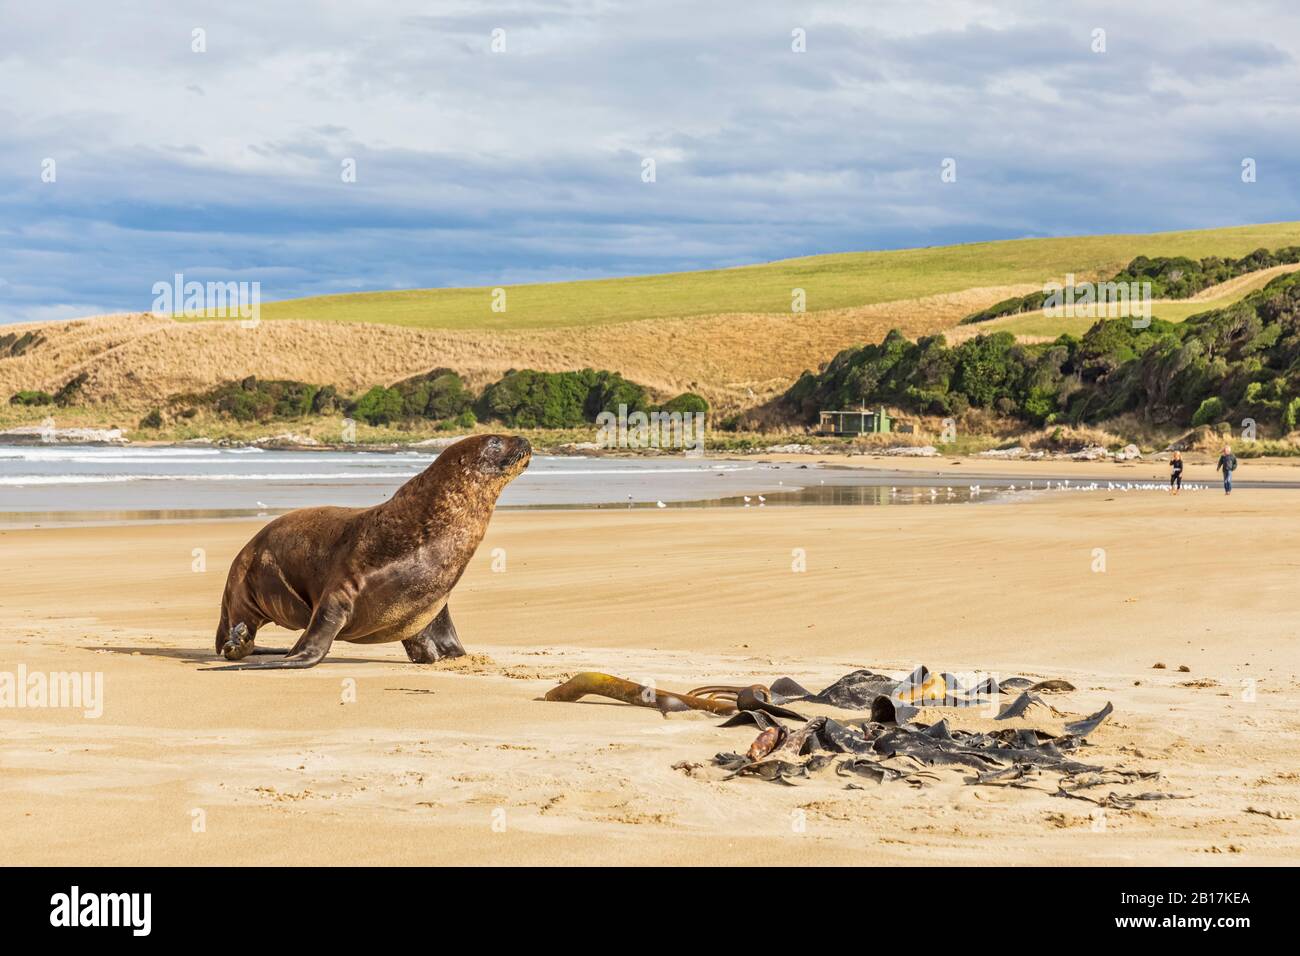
728 334
831 282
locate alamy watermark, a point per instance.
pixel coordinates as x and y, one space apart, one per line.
1098 300
77 690
211 300
133 911
684 430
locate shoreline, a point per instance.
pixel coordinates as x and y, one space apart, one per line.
901 453
227 485
73 518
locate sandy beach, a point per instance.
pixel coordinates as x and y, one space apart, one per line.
370 759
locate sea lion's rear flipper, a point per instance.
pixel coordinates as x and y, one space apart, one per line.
436 642
311 648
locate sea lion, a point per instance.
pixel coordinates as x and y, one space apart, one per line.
370 575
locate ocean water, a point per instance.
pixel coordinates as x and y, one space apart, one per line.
76 483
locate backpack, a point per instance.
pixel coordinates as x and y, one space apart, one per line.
1232 463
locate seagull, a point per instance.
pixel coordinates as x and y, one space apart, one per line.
660 504
263 504
746 497
761 499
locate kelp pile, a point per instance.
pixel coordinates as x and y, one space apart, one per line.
890 744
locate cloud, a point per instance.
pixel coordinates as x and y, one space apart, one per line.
475 167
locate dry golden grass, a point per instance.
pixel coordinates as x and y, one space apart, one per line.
1070 438
735 361
1033 327
1239 286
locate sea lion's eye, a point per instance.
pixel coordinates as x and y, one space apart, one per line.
492 454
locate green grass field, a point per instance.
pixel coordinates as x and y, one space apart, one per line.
830 282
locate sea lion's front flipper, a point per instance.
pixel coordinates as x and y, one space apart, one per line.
436 642
311 648
239 643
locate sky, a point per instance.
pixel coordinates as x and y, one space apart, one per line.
502 143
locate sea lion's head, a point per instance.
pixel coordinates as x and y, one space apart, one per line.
495 460
471 473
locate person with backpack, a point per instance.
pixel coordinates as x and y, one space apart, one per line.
1176 473
1227 464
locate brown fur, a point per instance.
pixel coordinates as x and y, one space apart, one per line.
371 575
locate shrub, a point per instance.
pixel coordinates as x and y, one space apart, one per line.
438 394
532 399
30 397
1241 359
153 420
253 399
1039 406
12 344
686 403
379 406
326 400
1211 410
1290 415
71 389
1028 303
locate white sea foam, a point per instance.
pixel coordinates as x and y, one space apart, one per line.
633 471
89 478
21 480
42 453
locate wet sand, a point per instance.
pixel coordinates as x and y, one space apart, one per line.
462 763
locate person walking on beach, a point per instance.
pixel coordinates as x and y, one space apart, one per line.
1176 473
1227 464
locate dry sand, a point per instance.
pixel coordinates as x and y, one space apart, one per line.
419 768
